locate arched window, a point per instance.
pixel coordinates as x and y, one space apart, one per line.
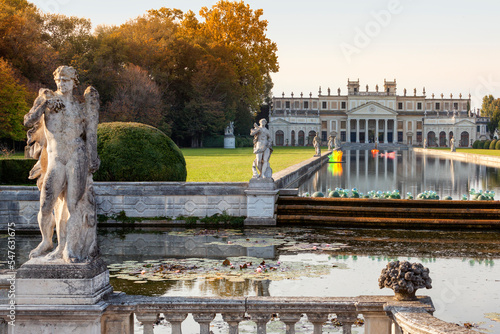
279 141
293 138
301 138
431 139
442 139
464 139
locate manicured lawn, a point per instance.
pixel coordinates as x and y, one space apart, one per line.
17 155
471 150
225 165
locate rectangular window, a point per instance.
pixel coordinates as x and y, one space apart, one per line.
400 105
323 135
342 136
343 105
324 125
419 106
437 106
419 125
479 128
455 105
306 104
400 125
296 105
323 105
419 136
287 103
343 124
400 136
278 104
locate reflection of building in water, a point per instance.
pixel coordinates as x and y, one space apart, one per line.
406 172
370 116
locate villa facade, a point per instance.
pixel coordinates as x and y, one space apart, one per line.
370 116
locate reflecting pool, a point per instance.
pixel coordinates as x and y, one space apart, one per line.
464 266
405 171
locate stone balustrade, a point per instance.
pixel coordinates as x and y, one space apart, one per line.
381 314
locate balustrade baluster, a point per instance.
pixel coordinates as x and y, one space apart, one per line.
233 320
377 323
261 320
204 320
317 319
290 319
175 320
347 320
148 320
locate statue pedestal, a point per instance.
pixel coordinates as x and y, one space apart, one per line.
57 297
229 141
261 202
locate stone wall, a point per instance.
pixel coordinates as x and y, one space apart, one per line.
480 159
137 199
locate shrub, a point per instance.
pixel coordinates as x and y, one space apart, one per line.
16 171
486 144
137 152
215 141
476 144
492 144
244 141
497 146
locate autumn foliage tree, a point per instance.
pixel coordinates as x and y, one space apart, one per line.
491 109
188 74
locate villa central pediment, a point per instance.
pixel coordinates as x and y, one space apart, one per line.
371 109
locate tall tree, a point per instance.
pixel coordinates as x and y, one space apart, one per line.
491 109
13 104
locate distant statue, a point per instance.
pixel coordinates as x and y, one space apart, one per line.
63 138
229 129
330 143
452 144
262 148
316 143
425 143
337 144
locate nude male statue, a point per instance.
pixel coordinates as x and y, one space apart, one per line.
262 148
64 139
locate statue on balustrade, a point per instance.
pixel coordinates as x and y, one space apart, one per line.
63 137
452 144
316 144
262 148
330 143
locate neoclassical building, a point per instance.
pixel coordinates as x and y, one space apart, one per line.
366 116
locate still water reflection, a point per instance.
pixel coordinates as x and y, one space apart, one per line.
464 266
406 171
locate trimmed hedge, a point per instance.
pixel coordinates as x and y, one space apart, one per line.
497 146
16 171
492 144
486 144
137 152
476 144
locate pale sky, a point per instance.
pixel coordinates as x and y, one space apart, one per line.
443 45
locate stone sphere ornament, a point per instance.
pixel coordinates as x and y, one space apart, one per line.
404 278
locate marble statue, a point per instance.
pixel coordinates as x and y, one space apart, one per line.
63 137
452 144
316 143
425 143
230 129
330 143
262 148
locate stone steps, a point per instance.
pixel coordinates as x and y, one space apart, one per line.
418 214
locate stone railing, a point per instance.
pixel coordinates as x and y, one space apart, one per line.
382 315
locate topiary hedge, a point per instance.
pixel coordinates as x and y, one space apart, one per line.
137 152
492 144
497 146
476 144
486 144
